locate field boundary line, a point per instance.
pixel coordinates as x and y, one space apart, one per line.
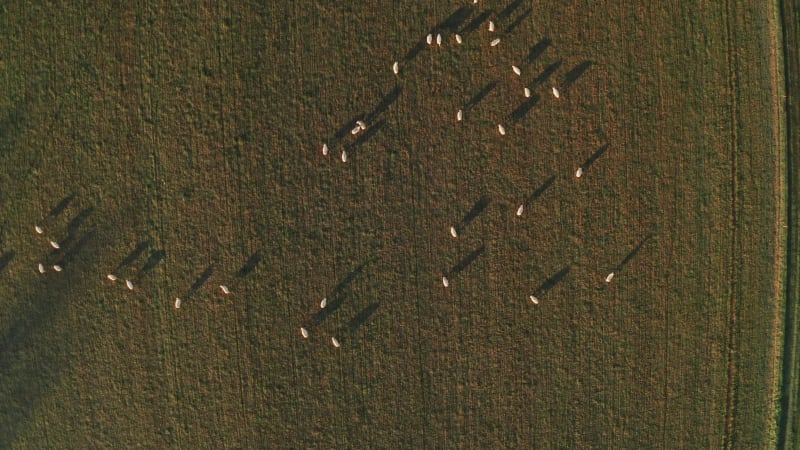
788 423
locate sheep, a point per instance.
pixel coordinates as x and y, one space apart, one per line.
534 299
460 115
41 268
445 282
491 26
111 277
323 303
610 277
458 39
304 332
579 172
439 40
429 39
39 229
57 268
556 94
453 232
325 149
396 67
527 93
494 42
335 342
55 245
177 303
224 289
344 156
516 70
519 210
129 284
501 129
361 124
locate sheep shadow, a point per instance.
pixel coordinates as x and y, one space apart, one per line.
545 75
522 110
385 103
458 17
133 255
597 154
573 75
203 278
541 189
6 259
480 95
477 208
516 23
79 220
250 264
632 254
475 23
508 10
551 282
152 261
62 205
538 49
467 260
362 317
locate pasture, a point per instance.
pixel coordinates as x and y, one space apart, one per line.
180 147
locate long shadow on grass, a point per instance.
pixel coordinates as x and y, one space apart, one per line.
455 20
133 255
79 220
538 49
6 259
62 205
32 353
475 23
508 10
477 208
251 264
540 190
156 256
362 317
467 260
480 95
551 282
68 254
632 254
516 23
573 75
545 75
385 103
201 280
597 154
522 110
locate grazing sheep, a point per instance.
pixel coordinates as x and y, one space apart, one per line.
527 93
439 40
177 303
491 26
39 230
501 129
41 268
304 332
534 299
460 115
355 130
396 67
224 289
429 39
111 277
344 156
458 38
323 303
579 172
610 277
57 268
361 124
453 232
325 149
335 342
494 42
55 245
129 284
519 210
556 94
445 282
516 70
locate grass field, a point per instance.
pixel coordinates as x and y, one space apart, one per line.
198 129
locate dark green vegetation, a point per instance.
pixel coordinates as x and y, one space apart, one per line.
198 129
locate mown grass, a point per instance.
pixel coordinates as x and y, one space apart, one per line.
199 128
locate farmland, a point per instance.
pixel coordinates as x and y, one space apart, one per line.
197 130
